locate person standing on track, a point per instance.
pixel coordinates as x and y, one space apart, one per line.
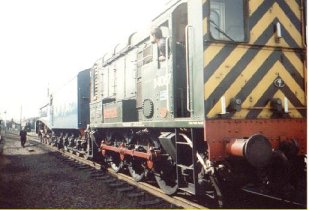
23 136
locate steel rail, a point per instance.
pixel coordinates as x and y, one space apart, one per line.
175 200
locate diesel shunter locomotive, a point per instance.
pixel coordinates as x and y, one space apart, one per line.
225 108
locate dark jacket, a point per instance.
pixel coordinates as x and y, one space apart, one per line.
23 134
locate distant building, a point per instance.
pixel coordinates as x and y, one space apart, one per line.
12 125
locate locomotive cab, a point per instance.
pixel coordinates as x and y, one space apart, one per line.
182 69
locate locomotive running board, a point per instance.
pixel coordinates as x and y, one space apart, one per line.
256 191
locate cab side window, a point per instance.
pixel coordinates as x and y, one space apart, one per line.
227 20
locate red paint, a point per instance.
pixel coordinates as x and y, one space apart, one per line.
110 113
149 156
219 133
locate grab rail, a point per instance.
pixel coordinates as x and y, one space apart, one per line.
189 101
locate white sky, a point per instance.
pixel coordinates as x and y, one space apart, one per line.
47 42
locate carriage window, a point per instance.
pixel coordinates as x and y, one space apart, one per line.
227 20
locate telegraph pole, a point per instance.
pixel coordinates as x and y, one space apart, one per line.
21 114
4 119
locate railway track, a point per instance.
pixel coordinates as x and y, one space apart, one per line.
141 193
146 194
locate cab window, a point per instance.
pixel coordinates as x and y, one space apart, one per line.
227 20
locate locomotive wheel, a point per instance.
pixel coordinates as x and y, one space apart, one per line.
65 147
87 155
166 177
116 164
137 170
141 142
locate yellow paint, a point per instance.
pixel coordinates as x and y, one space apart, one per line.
268 80
272 42
268 112
205 25
261 87
295 8
290 81
211 52
265 113
295 61
277 69
275 12
223 70
241 80
254 4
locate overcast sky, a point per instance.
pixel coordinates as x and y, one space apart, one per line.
47 42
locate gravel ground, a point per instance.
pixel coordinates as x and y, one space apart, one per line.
32 177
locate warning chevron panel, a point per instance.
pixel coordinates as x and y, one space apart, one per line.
247 70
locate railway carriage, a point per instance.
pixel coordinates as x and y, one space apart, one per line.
226 108
65 118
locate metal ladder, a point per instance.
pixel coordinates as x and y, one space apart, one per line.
186 163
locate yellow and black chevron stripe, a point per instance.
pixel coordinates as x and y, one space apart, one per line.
247 71
264 14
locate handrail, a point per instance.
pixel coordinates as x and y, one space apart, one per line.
166 69
188 69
